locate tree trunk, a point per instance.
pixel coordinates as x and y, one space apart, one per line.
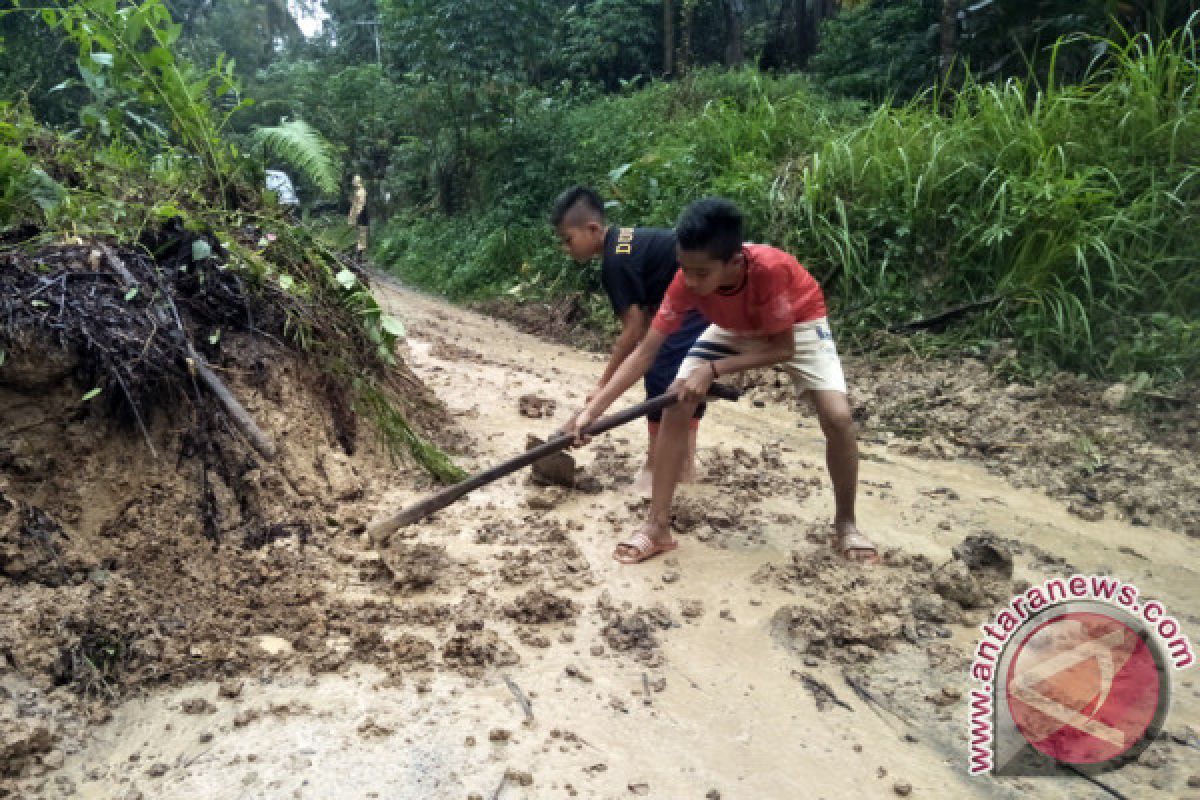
806 29
734 53
668 37
808 18
949 36
685 46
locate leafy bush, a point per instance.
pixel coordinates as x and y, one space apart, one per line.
127 63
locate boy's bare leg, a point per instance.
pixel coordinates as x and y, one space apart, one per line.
645 479
841 457
668 465
689 464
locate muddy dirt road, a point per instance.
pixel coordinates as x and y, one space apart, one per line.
694 676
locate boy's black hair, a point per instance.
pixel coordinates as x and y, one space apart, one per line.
713 225
582 196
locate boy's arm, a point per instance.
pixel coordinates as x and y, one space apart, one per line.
634 324
631 369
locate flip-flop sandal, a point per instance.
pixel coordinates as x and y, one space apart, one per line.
850 543
645 548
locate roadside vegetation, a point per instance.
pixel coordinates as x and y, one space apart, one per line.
1020 179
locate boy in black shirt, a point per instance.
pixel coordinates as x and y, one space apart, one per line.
637 266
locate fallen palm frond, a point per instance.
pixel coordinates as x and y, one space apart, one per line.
297 144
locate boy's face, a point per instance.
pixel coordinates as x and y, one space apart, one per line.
704 274
581 242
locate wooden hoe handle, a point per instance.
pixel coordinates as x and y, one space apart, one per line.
561 441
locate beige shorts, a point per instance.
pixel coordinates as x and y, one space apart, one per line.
815 364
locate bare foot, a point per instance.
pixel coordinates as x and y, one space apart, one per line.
852 545
653 538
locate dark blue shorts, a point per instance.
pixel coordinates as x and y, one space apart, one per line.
662 373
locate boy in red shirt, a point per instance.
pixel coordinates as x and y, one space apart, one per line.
765 309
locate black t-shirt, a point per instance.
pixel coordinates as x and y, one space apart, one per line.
637 267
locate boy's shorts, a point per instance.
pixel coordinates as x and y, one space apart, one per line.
666 365
814 366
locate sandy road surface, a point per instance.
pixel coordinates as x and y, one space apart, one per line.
728 711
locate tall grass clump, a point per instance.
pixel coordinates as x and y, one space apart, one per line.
1076 209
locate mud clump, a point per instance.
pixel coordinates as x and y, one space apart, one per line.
35 549
632 631
986 555
848 629
612 468
414 567
954 582
535 406
934 608
406 651
634 634
718 521
24 743
519 566
980 573
544 499
411 651
556 469
849 614
472 650
754 478
539 607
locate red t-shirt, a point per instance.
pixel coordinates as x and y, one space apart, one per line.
776 294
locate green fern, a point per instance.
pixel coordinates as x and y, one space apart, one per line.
304 149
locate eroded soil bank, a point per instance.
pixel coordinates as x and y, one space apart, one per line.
498 650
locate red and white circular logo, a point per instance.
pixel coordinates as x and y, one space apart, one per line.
1084 688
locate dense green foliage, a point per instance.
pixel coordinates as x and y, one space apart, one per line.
1077 209
1033 160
